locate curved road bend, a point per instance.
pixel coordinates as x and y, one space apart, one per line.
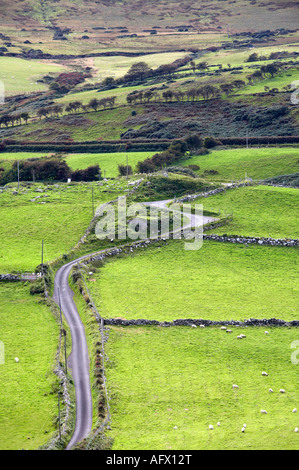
78 359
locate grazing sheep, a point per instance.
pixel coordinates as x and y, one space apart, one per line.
296 429
243 429
239 337
218 424
266 332
282 390
202 326
175 427
211 427
244 426
223 328
294 410
194 326
228 331
270 390
243 336
265 374
235 386
17 359
264 412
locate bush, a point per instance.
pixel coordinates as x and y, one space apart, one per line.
123 170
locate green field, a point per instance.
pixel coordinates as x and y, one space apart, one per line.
168 385
20 75
263 211
59 219
221 281
107 161
256 163
29 332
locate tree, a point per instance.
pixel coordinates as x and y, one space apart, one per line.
25 117
138 70
94 104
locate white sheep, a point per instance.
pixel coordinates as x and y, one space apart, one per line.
235 386
17 359
202 326
243 336
265 374
223 328
211 427
243 429
266 332
218 424
244 426
282 390
294 410
264 412
228 331
270 390
296 429
193 326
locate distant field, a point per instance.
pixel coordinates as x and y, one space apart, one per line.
118 66
106 161
218 282
59 219
29 332
256 163
169 384
20 75
263 211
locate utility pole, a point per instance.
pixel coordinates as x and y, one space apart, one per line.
60 307
92 202
42 256
127 167
64 332
18 174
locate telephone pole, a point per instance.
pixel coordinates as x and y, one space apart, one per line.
42 256
18 174
92 201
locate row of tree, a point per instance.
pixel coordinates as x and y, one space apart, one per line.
47 169
58 109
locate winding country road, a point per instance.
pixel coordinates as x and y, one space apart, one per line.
79 360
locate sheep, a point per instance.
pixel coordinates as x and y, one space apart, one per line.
244 426
266 332
235 386
264 412
223 328
296 429
270 390
265 374
211 427
193 326
239 337
218 424
282 390
17 359
201 326
243 336
243 429
228 331
294 410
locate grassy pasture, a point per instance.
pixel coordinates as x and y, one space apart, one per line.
29 332
218 282
20 75
257 211
257 163
106 161
59 219
168 385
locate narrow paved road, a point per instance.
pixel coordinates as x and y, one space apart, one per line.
78 359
